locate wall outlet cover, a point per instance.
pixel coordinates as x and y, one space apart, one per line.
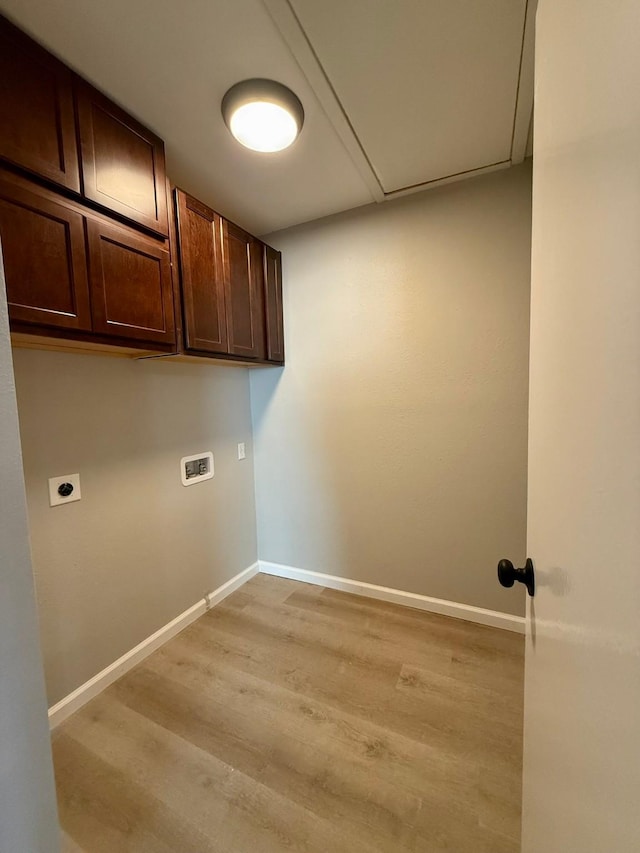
64 489
242 452
196 468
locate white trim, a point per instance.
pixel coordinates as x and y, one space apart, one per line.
71 703
397 596
230 586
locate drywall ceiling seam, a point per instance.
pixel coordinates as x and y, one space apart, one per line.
296 39
523 112
447 179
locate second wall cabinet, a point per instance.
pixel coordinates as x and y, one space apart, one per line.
244 296
201 267
224 287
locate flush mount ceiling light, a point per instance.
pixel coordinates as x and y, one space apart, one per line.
263 115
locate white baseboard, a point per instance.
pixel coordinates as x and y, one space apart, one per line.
83 694
397 596
63 709
219 594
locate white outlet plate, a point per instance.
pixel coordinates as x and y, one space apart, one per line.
207 459
242 452
56 499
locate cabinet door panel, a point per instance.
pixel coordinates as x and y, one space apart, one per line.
122 161
200 249
273 304
44 255
37 130
130 279
243 292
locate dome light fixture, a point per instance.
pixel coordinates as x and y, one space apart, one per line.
263 115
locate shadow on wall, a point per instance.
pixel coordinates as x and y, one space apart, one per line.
392 449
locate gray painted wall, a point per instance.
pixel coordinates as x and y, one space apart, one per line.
28 818
393 447
139 548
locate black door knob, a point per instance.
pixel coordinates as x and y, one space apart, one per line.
508 575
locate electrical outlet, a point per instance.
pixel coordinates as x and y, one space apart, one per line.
196 468
64 490
242 453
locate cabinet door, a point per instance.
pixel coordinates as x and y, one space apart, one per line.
130 280
273 304
37 129
243 270
200 237
122 161
43 247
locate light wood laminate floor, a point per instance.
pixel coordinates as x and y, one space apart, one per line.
295 718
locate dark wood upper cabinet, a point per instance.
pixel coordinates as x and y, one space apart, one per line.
43 248
231 287
37 117
200 237
273 304
122 161
45 109
243 276
130 282
88 259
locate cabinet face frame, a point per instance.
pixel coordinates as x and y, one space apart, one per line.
38 201
200 283
101 233
93 147
33 58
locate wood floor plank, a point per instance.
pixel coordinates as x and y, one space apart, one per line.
103 809
68 845
187 713
324 759
267 589
357 609
274 711
213 800
493 842
499 799
303 719
485 703
320 664
427 640
371 641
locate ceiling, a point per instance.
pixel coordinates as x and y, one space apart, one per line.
399 95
